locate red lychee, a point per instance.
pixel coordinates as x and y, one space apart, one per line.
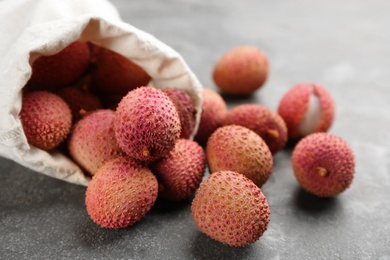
214 110
62 68
323 164
307 108
241 71
231 209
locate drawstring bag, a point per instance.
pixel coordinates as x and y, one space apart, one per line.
32 28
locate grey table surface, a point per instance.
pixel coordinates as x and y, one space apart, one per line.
343 45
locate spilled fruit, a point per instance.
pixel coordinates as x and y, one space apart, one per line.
323 164
263 121
180 173
214 110
231 209
185 109
92 142
241 71
307 108
236 148
120 193
147 124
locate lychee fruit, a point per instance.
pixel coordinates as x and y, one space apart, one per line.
180 173
185 108
113 73
147 124
214 109
263 121
120 193
323 164
241 71
236 148
92 141
306 108
62 68
80 101
231 209
46 119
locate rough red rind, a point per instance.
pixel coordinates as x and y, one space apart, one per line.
120 193
147 124
61 69
180 174
229 208
92 142
185 108
214 110
46 119
241 71
295 102
236 148
323 151
114 74
327 108
79 101
263 121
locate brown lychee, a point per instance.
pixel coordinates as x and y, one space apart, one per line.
263 121
180 173
241 71
231 209
120 193
46 119
185 108
214 110
323 164
113 73
80 101
307 108
147 124
62 68
236 148
92 141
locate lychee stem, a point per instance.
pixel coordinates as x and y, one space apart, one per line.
82 112
273 133
321 171
146 152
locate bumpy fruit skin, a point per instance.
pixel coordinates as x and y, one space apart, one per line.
121 193
63 68
323 164
46 119
92 141
214 110
80 101
180 174
263 121
236 148
241 71
147 124
229 208
185 108
114 74
295 103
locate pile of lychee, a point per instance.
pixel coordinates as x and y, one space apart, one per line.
135 142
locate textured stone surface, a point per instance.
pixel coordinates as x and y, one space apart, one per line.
343 45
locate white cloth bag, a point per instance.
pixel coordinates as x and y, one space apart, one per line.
31 28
